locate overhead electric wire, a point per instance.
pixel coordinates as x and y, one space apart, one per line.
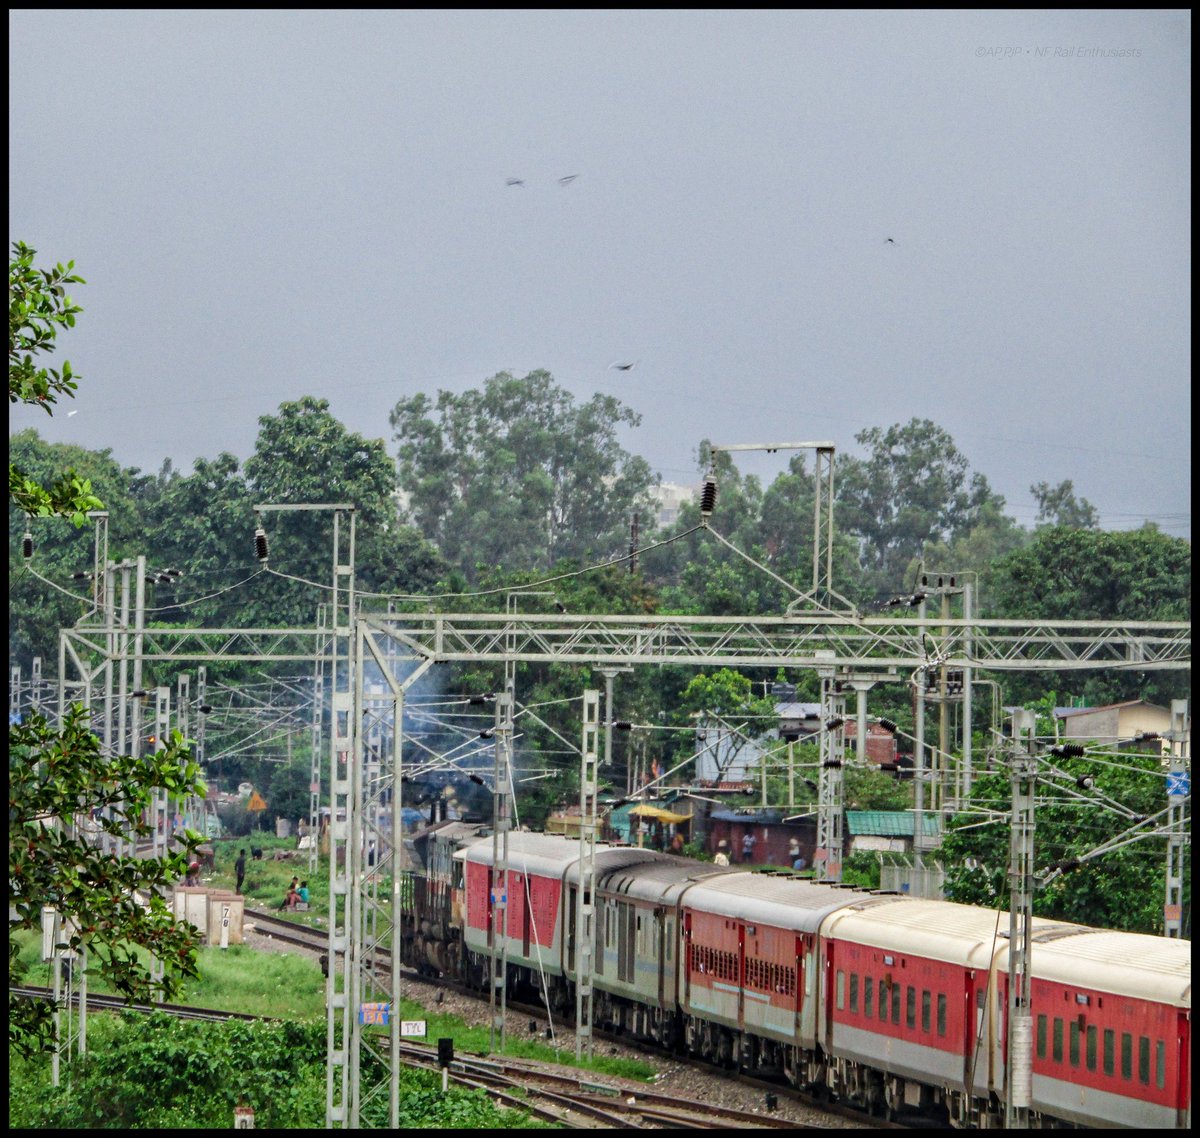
615 560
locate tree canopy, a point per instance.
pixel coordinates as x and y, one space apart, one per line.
518 474
913 487
63 791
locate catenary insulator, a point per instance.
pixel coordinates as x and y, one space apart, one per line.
708 497
260 544
27 546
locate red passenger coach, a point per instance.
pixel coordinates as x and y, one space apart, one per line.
750 989
915 1003
1112 1029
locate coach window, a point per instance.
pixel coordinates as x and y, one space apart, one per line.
868 996
883 1001
1143 1060
841 990
1109 1050
1091 1047
910 1007
896 1004
1058 1032
941 1013
1160 1064
926 1007
1126 1055
1074 1043
1041 1037
854 993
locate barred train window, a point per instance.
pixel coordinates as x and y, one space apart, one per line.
854 993
841 990
1058 1034
941 1014
868 996
1160 1064
910 1007
1091 1047
1074 1043
1041 1037
896 1004
883 1001
1126 1055
1109 1050
926 1006
1143 1060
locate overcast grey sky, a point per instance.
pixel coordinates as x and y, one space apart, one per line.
272 204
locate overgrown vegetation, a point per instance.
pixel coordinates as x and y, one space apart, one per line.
147 1072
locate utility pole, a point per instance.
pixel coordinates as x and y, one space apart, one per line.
1178 798
501 823
585 897
831 789
1019 1089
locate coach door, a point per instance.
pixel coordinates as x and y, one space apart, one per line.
798 986
741 976
685 958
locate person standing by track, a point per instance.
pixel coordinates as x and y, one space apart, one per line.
239 867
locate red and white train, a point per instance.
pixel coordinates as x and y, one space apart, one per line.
882 1000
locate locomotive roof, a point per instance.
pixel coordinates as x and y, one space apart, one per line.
1132 964
786 902
550 854
938 930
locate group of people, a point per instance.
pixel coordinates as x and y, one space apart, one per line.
748 842
297 891
297 894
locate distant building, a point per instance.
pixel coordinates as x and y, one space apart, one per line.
1133 722
890 831
671 498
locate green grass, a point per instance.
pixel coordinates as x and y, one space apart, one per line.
290 986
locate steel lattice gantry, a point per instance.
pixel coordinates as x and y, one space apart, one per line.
803 640
404 646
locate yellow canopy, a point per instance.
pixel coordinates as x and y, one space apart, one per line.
646 811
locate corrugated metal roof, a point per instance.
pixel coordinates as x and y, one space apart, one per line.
798 710
890 823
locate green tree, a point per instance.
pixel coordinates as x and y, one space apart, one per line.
1058 506
60 549
727 698
517 474
38 308
1066 573
1120 889
305 455
60 784
913 487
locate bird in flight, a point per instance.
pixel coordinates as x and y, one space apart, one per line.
623 367
567 180
889 241
70 413
514 182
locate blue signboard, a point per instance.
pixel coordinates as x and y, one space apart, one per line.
1178 784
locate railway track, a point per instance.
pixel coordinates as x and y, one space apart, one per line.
602 1103
116 1003
288 931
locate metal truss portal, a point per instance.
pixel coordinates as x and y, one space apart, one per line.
794 641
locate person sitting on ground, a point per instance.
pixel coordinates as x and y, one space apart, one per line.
303 891
722 857
289 902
